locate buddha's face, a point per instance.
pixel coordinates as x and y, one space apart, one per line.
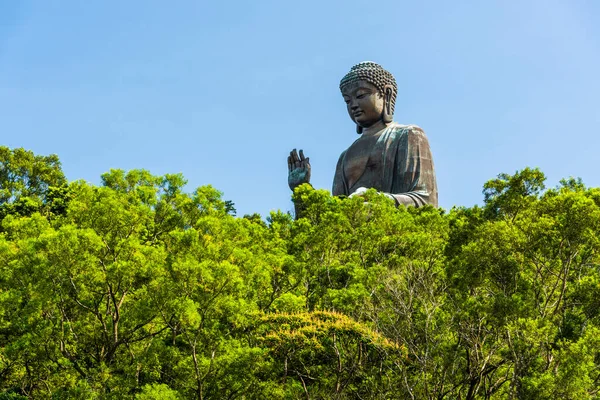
364 103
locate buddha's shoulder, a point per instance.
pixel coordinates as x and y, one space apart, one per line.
409 130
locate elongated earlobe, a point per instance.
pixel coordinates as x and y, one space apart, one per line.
388 115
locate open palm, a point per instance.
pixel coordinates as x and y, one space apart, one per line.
298 169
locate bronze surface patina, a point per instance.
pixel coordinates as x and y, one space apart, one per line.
392 158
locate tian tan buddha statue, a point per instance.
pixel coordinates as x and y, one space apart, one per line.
395 159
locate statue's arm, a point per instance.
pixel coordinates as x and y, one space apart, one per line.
414 182
298 174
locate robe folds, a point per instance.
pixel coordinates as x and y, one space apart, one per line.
397 162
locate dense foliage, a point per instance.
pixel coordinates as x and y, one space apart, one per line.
136 289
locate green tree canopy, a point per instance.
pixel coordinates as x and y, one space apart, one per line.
139 289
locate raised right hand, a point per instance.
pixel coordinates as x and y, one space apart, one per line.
298 169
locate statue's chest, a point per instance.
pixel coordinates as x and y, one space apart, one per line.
361 157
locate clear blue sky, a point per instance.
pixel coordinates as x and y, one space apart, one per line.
222 91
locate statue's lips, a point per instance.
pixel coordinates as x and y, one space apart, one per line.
357 114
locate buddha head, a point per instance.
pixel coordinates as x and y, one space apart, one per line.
370 94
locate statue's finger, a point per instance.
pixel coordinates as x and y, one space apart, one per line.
301 155
290 164
307 161
295 155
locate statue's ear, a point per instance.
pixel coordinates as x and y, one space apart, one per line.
388 112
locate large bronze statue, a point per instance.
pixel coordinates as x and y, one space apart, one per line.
392 158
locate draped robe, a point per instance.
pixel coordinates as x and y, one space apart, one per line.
396 160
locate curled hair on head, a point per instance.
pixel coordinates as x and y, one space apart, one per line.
373 73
